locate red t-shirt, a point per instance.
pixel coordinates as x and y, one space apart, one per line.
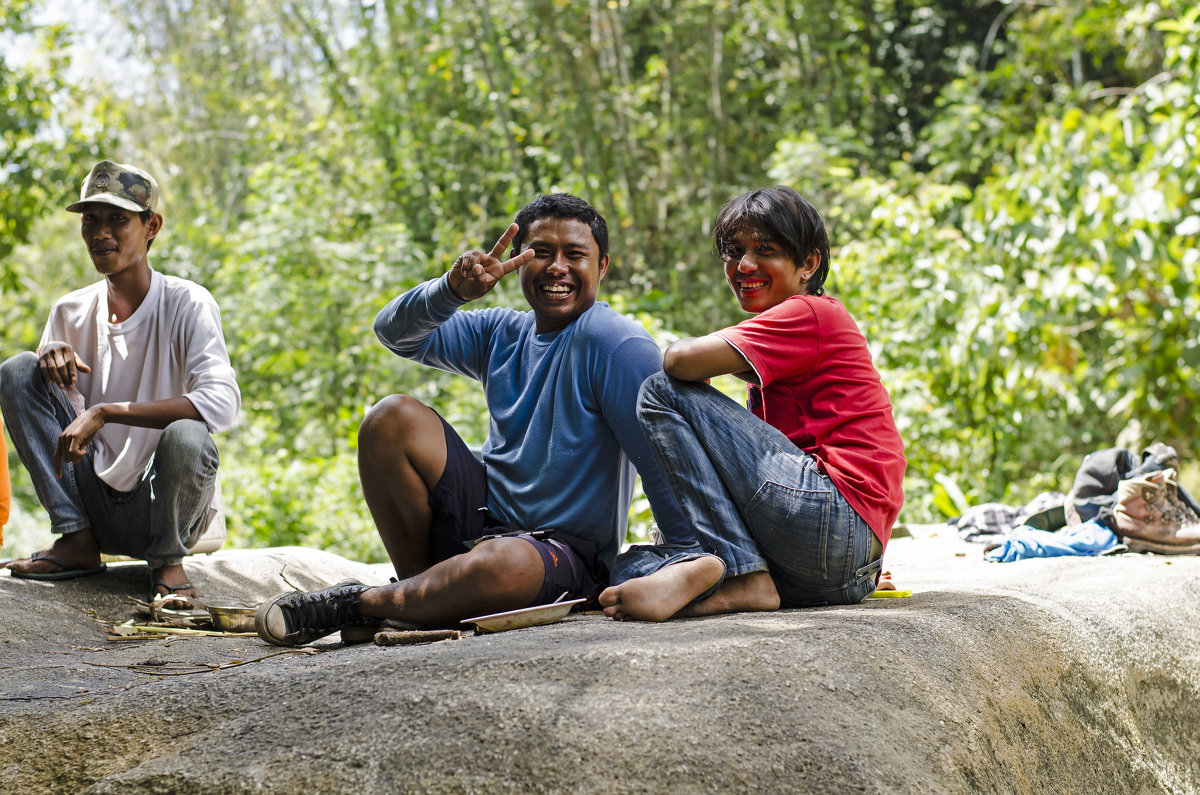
819 386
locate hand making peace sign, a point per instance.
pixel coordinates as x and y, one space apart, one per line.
475 273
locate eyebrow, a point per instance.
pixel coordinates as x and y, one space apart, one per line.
569 246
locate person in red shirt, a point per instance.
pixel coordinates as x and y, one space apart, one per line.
791 502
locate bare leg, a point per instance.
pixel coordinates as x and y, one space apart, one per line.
753 591
497 575
77 548
658 596
401 457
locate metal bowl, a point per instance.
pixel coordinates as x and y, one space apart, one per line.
232 618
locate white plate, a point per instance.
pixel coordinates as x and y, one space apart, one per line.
525 617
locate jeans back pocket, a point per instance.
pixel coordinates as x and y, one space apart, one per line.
792 529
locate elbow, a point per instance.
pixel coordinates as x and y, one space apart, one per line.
380 328
397 340
217 407
673 362
228 416
219 421
678 362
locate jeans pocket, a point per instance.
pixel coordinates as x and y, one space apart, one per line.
791 528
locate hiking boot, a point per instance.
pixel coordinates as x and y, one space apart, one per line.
1149 509
365 633
298 617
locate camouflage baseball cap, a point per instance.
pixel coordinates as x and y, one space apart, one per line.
120 185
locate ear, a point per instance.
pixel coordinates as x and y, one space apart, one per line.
603 266
153 227
810 265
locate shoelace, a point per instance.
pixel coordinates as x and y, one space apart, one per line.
324 609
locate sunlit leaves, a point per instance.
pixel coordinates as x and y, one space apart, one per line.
1013 193
44 134
1033 297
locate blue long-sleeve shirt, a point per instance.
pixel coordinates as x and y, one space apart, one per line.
563 440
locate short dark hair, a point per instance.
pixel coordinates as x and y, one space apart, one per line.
561 205
146 215
782 216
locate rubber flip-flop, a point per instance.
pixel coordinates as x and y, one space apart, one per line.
162 602
65 571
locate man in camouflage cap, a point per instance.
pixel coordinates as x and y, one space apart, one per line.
112 414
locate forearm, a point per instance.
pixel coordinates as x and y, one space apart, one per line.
409 319
701 358
150 414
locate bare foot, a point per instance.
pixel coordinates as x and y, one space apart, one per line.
885 582
78 549
753 591
173 580
658 596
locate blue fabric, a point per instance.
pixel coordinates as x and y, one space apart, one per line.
563 440
1088 538
36 412
752 498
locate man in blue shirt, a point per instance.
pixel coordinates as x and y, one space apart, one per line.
550 499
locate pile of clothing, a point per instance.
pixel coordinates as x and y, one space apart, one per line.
1118 502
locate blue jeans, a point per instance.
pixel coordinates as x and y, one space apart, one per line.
157 521
753 498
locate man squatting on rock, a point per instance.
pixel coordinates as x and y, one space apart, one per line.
112 415
557 475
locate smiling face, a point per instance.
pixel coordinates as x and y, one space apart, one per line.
761 274
562 280
116 238
774 245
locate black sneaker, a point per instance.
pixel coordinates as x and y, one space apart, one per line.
365 633
298 617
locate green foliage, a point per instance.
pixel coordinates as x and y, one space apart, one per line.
43 133
46 129
1011 188
1040 302
314 502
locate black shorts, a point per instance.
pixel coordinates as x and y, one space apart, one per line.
461 519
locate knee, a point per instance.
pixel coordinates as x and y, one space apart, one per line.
392 420
189 441
16 372
509 565
656 391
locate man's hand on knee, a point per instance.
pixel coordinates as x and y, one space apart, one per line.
60 364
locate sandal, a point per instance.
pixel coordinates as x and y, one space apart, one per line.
65 571
183 605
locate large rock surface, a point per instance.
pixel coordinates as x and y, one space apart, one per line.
1062 675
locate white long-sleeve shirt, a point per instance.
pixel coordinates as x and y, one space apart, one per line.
172 346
